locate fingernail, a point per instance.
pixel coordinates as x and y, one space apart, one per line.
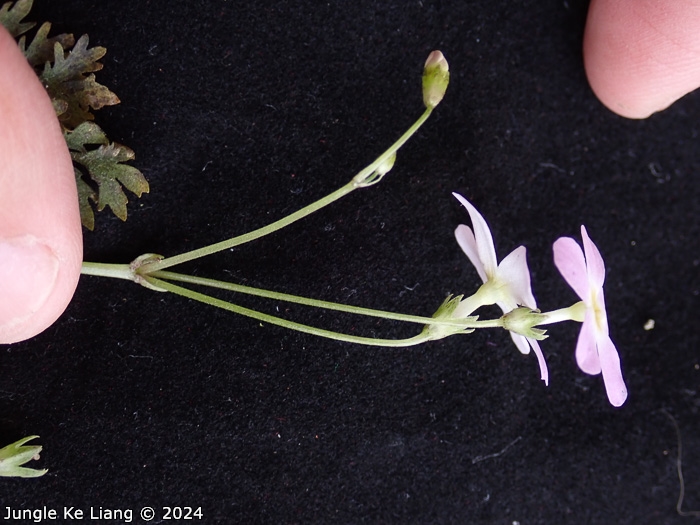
28 270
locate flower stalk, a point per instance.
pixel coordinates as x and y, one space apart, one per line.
505 283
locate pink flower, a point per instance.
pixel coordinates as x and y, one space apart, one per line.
506 284
584 270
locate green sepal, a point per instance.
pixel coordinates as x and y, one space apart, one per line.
14 455
523 320
445 313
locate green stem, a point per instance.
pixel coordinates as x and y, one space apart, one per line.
361 178
115 271
250 236
420 338
268 294
368 176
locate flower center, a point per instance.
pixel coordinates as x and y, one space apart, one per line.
598 306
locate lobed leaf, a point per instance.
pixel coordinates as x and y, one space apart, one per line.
41 48
65 81
11 17
86 133
105 167
67 74
85 195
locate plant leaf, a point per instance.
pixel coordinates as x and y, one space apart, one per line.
66 81
11 16
86 133
85 195
41 48
106 168
67 74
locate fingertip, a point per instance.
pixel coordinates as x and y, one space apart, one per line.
641 56
40 231
36 284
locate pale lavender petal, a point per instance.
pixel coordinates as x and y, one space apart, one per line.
594 261
513 270
544 373
466 241
568 258
482 234
586 351
612 375
521 342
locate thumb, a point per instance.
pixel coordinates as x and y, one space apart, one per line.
40 231
642 55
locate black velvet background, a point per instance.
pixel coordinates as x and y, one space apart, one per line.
242 112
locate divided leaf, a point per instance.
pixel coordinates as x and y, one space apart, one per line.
41 48
66 82
106 168
65 67
11 17
86 133
85 195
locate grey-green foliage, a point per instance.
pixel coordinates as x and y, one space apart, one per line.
66 68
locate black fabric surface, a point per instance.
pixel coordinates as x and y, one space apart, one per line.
242 112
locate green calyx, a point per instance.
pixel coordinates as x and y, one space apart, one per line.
13 456
523 320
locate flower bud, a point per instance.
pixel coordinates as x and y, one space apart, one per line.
523 320
436 77
14 455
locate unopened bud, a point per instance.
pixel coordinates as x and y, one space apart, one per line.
436 77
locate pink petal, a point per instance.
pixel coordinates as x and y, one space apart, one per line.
586 351
568 258
612 375
466 241
521 342
482 234
513 270
594 261
544 373
524 343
